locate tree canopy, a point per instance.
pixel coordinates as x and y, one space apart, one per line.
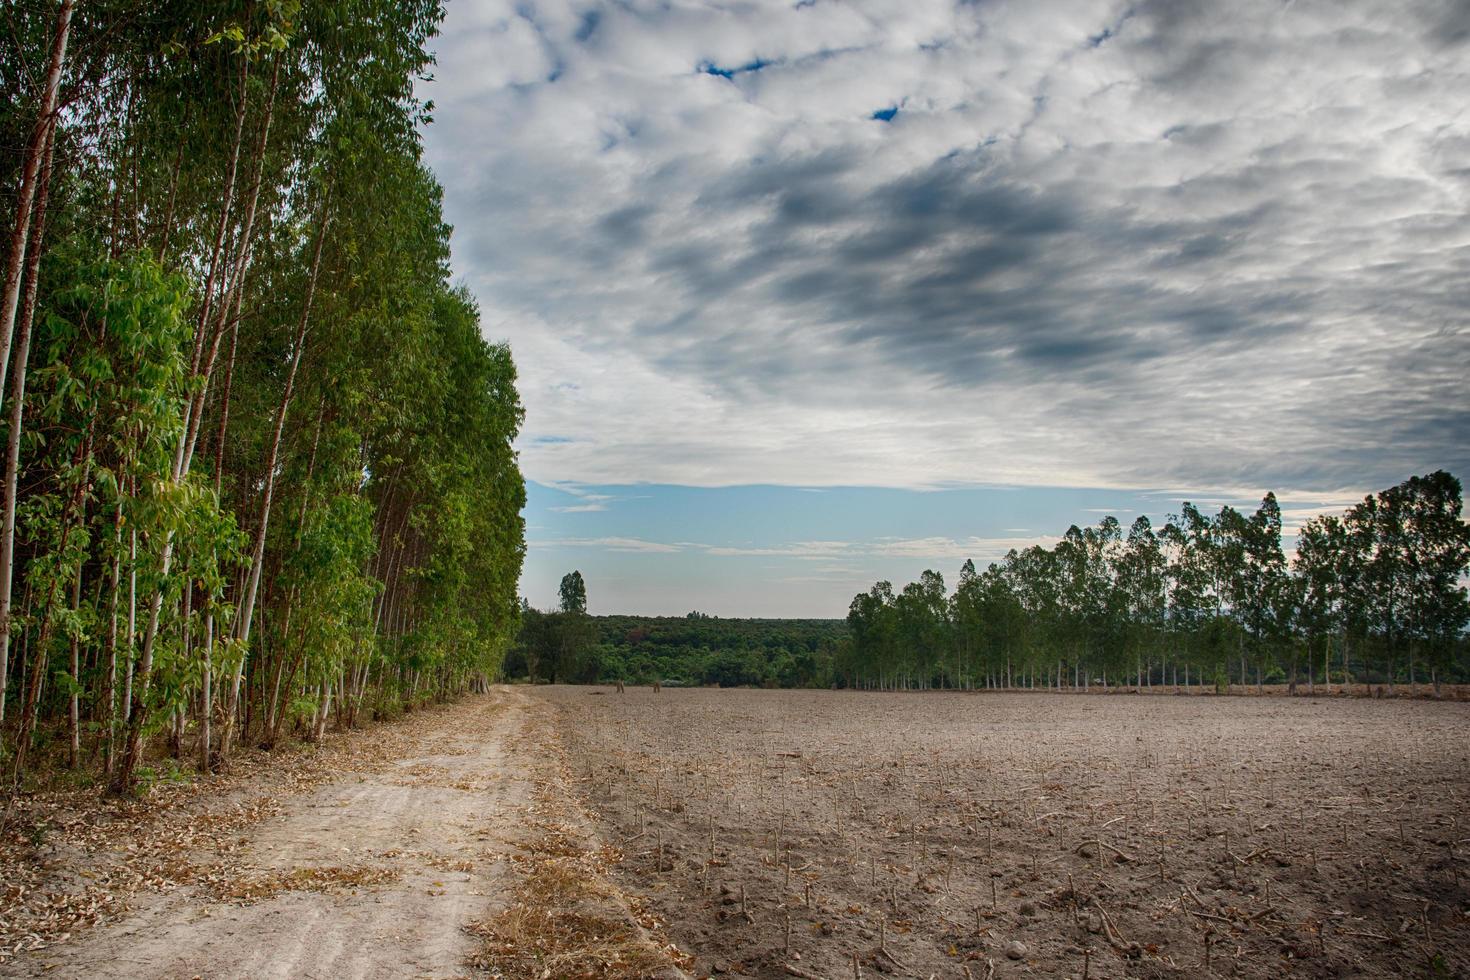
1378 593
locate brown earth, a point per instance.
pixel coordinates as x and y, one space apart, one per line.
1421 690
573 832
951 835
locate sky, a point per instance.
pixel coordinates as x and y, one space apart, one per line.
807 294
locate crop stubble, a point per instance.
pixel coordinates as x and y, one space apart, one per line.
814 833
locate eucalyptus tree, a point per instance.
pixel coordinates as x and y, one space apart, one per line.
1190 580
968 621
262 469
572 630
573 591
1408 549
1263 600
1209 594
872 621
32 187
1321 595
1027 587
1140 581
922 612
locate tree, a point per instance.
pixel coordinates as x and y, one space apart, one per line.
1140 577
1411 548
1263 598
1320 591
922 611
232 310
573 593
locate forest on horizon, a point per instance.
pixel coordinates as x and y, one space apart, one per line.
1376 595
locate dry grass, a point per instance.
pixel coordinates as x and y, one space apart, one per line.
564 920
566 917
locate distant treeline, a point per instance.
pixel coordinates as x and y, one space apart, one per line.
569 647
1375 595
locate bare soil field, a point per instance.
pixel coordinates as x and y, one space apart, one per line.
836 834
1446 692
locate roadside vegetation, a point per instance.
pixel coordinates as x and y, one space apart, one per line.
258 475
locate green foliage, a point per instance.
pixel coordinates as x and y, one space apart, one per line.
573 593
247 343
1209 595
687 650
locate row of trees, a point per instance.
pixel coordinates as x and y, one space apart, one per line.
258 470
1376 594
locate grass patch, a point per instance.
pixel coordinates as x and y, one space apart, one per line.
566 919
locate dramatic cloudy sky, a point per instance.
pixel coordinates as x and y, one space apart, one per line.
1014 263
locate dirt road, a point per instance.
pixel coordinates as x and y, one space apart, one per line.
370 874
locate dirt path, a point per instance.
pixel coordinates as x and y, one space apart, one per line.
372 874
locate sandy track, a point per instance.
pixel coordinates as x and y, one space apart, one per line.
371 875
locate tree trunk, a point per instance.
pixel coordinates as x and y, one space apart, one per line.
247 606
168 214
206 693
252 585
31 192
110 695
12 453
127 698
74 712
45 634
323 708
234 291
206 306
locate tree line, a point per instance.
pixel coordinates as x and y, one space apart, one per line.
258 472
569 646
1376 595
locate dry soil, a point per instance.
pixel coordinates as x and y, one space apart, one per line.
952 835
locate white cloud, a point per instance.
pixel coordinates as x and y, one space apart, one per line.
982 550
835 553
1109 245
609 544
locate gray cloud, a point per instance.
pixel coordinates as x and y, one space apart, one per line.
1144 244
